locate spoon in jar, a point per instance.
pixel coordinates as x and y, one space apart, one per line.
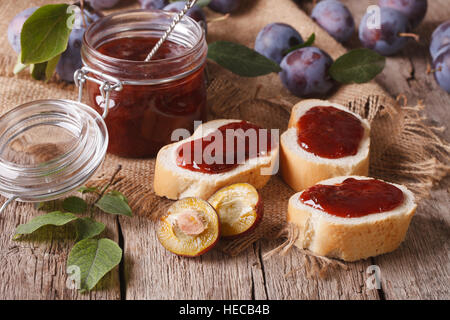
178 17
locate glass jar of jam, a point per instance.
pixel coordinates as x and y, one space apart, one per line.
144 101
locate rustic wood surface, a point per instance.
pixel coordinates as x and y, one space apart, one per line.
419 269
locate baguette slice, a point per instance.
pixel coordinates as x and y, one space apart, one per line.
301 169
350 239
174 182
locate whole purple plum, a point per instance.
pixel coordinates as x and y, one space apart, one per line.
305 72
195 13
70 59
224 6
414 10
103 4
275 38
335 18
386 38
153 4
441 65
440 38
15 27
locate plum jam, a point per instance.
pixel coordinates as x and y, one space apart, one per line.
225 148
329 132
353 198
157 97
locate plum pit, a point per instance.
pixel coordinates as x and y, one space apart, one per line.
190 228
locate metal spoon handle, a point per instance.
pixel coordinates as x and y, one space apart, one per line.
178 17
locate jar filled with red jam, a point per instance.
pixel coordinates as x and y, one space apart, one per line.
147 101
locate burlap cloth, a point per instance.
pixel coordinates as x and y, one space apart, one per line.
404 149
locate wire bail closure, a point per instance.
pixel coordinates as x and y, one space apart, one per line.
106 82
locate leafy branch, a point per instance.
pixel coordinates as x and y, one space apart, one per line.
92 258
355 66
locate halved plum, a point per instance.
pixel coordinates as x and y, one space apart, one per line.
190 228
239 207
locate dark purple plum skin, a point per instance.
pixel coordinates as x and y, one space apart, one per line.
386 40
70 59
224 6
305 72
103 4
441 65
15 27
274 39
153 4
440 38
335 18
195 13
414 10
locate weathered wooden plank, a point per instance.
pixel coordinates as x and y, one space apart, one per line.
287 278
154 273
36 268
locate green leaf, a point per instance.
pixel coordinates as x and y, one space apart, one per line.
45 34
203 3
74 205
88 228
308 43
357 66
85 189
119 194
38 71
241 60
94 258
51 67
19 67
114 204
53 218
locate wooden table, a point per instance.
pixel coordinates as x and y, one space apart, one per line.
419 269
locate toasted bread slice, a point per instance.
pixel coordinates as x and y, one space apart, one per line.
175 182
301 169
350 239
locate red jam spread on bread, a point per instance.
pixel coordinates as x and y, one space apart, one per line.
329 132
212 154
353 198
142 118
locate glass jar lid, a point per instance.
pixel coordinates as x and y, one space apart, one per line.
49 148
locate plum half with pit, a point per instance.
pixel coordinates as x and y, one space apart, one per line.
190 228
240 209
195 12
414 10
334 18
275 38
387 38
304 72
224 6
15 27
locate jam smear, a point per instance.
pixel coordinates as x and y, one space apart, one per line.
353 198
329 132
142 117
210 154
